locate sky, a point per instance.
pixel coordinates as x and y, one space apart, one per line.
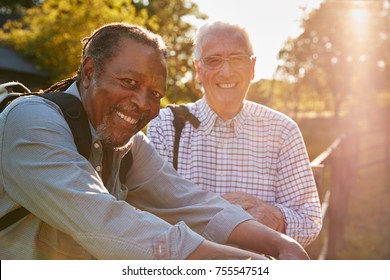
269 22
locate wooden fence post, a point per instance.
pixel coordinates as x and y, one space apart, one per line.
335 205
344 163
316 247
387 150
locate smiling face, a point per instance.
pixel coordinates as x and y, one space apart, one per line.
126 95
225 88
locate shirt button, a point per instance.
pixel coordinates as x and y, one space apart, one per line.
98 168
96 145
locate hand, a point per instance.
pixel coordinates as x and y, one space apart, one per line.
263 212
291 250
257 237
212 251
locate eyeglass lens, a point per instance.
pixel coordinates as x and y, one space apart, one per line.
237 61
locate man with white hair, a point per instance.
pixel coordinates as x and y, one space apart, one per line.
250 154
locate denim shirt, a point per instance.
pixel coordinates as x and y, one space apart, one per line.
155 214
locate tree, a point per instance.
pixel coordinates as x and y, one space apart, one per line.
49 34
17 6
344 51
169 19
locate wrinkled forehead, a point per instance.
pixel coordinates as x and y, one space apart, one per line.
139 60
228 41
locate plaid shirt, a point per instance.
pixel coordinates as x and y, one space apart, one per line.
260 152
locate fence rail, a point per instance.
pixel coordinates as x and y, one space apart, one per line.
335 170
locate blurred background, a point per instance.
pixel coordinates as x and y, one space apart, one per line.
325 63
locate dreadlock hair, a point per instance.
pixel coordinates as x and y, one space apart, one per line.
103 44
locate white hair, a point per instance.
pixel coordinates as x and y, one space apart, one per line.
217 26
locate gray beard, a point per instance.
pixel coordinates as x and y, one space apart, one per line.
104 136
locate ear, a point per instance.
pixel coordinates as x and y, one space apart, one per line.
87 71
253 68
198 77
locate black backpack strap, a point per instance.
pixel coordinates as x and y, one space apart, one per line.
181 114
10 91
73 112
12 217
77 120
8 99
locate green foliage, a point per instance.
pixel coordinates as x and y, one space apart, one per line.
170 20
17 6
343 52
293 99
49 34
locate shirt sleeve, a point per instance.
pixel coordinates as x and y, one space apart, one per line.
160 190
161 133
297 193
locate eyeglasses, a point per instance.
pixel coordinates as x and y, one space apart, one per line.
215 62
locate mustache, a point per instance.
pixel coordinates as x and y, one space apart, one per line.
142 116
131 109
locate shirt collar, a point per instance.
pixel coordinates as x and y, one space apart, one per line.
73 90
241 118
206 116
209 118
